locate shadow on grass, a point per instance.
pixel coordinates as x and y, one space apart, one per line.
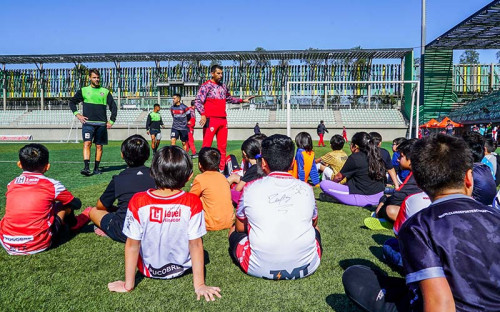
340 302
112 168
377 252
381 238
344 264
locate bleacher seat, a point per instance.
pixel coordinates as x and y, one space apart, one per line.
8 116
372 116
47 117
247 116
306 116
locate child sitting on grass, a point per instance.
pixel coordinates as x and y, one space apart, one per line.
37 207
250 151
164 227
275 236
212 188
304 165
136 178
402 174
388 207
331 163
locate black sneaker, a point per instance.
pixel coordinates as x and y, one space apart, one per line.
195 155
327 198
86 172
97 171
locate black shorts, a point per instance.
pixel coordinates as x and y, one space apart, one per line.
183 134
97 134
154 131
112 225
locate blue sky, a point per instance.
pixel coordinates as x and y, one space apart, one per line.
45 27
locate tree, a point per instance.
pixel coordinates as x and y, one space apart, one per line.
260 62
312 61
469 57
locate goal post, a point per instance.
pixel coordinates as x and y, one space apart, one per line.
415 101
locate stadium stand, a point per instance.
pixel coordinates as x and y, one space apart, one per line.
485 109
372 116
8 116
247 116
47 117
126 117
307 116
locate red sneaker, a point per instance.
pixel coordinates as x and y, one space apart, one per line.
82 219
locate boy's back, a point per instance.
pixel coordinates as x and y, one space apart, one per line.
335 160
215 195
164 225
457 238
281 238
29 212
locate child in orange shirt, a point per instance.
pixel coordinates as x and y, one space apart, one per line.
212 188
304 165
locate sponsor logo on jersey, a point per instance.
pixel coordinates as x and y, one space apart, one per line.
211 129
160 215
166 270
26 180
102 93
295 274
17 239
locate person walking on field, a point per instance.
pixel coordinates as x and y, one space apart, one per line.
321 132
344 134
211 103
95 123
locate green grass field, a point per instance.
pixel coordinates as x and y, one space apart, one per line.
74 275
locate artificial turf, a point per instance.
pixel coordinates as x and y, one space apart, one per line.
74 275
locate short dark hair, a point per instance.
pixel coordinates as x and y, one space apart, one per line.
177 95
259 137
399 140
135 150
34 157
94 71
321 121
303 140
209 158
156 105
475 141
490 145
406 148
278 151
376 137
215 67
193 102
440 162
171 167
337 142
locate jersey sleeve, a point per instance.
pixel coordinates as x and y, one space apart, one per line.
108 197
240 211
349 167
196 187
148 122
132 228
300 165
61 194
201 97
232 99
420 260
197 226
75 100
112 107
314 172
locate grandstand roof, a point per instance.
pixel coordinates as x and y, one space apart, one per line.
207 56
481 30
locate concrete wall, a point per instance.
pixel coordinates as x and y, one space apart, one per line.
119 133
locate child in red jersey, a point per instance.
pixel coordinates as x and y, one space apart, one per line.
37 207
164 227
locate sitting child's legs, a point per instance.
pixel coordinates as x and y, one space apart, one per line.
391 252
341 193
110 223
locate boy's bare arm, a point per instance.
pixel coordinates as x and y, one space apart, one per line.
132 248
196 252
394 177
240 226
437 295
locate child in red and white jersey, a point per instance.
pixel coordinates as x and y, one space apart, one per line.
37 207
164 227
275 236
